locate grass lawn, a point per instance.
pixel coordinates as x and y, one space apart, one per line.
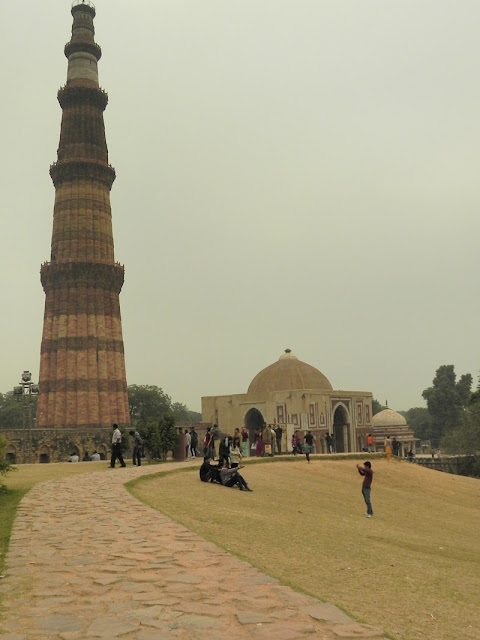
413 569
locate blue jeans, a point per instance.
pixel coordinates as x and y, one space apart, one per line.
366 497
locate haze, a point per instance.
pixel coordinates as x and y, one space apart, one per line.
298 174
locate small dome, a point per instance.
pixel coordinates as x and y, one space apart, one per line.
388 418
288 374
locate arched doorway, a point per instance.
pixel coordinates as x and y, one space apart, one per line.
341 430
44 454
253 420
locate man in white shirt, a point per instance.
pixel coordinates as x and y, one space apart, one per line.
117 447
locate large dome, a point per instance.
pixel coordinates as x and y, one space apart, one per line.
288 374
388 418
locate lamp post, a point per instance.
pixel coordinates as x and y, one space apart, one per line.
23 393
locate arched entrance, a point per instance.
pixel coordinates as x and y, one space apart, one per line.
341 430
253 420
44 455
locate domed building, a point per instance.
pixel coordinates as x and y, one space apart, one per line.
391 424
295 395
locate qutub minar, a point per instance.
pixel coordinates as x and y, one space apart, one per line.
82 379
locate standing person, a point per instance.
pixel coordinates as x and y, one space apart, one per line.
267 439
395 446
388 448
235 454
294 444
208 448
278 438
188 444
308 445
298 438
137 447
370 443
216 440
329 441
117 447
258 442
245 441
224 451
194 442
367 473
237 436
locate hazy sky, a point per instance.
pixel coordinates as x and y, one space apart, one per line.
295 173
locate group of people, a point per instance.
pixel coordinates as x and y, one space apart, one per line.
191 443
221 473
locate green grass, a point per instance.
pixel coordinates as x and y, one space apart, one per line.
413 569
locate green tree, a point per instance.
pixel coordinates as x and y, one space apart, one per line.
181 413
147 402
420 420
12 411
376 406
5 466
446 401
168 435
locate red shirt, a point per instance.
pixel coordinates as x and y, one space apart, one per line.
368 476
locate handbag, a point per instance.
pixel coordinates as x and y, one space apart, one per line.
268 449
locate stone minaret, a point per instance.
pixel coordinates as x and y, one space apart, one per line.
82 367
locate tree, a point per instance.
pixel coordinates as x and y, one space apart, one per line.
183 414
447 400
4 464
168 435
420 420
376 406
11 410
147 402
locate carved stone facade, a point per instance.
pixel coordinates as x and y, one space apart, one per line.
83 388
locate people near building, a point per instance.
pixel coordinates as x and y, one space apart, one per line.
272 431
258 442
245 441
388 448
299 441
329 442
216 439
74 457
86 457
224 451
208 447
137 445
193 442
395 446
308 444
117 447
267 439
188 444
370 443
237 436
235 453
410 455
95 457
278 438
294 444
367 473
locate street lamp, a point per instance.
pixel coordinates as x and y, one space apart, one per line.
23 393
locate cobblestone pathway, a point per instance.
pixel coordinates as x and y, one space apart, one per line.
87 560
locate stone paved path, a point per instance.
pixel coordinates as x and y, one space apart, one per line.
87 560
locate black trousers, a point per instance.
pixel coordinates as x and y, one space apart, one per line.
137 455
117 453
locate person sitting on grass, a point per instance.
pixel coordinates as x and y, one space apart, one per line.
208 471
231 477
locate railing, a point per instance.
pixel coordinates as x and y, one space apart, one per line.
76 3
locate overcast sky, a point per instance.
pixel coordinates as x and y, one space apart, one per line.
297 173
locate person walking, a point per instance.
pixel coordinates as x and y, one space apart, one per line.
117 447
367 473
308 445
267 439
188 444
208 448
137 448
370 443
329 441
